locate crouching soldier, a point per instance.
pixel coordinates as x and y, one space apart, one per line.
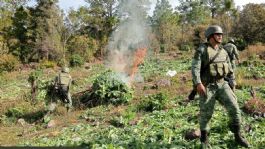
62 84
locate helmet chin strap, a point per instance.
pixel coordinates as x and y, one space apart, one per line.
216 40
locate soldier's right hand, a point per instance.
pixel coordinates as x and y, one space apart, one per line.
201 89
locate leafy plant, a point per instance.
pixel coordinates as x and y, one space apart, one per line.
154 102
108 88
76 60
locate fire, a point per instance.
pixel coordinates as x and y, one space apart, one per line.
138 59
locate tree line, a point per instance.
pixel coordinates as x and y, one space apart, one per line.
46 34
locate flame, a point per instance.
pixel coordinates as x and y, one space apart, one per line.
138 59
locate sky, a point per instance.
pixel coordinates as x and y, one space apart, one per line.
66 4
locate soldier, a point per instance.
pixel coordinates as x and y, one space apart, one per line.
210 65
62 84
232 51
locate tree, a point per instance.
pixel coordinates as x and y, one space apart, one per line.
82 45
103 19
193 11
20 34
165 24
251 24
47 22
7 9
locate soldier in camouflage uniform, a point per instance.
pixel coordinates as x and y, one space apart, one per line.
232 51
62 84
210 84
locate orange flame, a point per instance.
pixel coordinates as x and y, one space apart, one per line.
138 59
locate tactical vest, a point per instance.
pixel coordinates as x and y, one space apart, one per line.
219 67
64 79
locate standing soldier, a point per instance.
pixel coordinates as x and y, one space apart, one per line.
62 84
232 51
210 65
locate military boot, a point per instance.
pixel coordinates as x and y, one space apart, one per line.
204 140
238 137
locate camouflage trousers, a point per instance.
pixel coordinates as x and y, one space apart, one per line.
66 96
223 93
233 64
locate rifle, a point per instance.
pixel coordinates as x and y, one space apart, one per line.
230 83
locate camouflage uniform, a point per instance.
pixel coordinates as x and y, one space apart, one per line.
217 88
212 78
63 83
232 51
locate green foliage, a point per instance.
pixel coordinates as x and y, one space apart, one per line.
42 85
15 112
186 46
48 25
251 19
165 23
192 12
21 32
240 44
76 60
8 62
108 88
124 119
35 75
154 102
84 46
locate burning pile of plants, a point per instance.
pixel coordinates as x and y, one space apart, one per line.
107 88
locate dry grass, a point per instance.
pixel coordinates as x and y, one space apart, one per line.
253 50
255 106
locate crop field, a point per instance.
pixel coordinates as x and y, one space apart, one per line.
154 113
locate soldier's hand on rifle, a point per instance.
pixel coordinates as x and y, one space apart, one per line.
232 84
201 89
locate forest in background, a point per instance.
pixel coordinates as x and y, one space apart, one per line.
45 34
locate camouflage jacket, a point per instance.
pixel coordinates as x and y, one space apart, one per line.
203 72
231 49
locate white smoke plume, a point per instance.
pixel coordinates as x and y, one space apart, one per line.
130 35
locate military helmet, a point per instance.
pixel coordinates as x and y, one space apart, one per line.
231 40
65 69
213 30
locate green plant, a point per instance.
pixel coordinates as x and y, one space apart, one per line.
108 88
186 46
76 60
154 102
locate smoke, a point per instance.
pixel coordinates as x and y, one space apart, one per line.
130 35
